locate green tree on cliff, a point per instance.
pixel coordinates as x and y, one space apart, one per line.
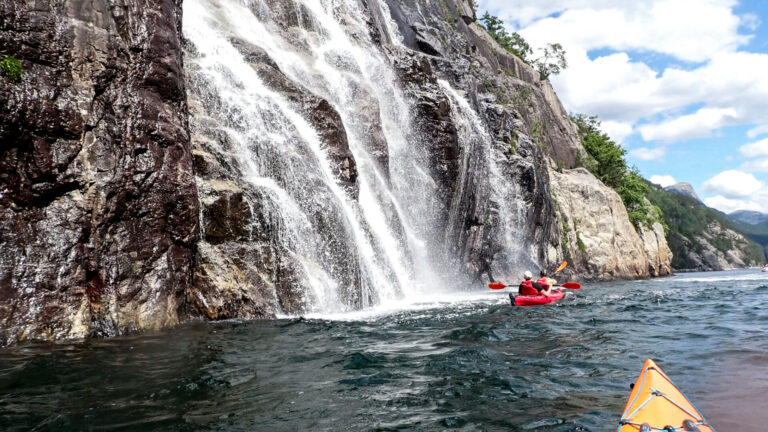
512 42
605 159
551 61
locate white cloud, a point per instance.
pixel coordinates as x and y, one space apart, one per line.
697 125
691 30
759 165
751 21
663 180
618 131
731 205
647 154
757 131
731 90
759 148
525 12
734 184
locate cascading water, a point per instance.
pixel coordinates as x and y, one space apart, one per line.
507 205
373 245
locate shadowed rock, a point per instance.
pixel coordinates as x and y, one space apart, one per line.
98 207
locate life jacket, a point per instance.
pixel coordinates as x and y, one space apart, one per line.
544 282
526 288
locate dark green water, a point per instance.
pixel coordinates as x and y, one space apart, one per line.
470 363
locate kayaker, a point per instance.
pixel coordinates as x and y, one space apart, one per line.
545 282
528 286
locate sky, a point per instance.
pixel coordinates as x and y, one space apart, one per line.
682 85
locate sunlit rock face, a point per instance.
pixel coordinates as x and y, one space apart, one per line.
279 157
597 234
98 207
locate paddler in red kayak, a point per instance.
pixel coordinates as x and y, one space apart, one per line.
529 287
545 282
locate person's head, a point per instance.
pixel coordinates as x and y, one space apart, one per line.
543 273
527 275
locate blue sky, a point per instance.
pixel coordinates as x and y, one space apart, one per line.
681 84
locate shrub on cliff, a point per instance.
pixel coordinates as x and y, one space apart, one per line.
512 42
552 60
605 159
11 68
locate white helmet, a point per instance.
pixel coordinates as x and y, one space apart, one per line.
527 274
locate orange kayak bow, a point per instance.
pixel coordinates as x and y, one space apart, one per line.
656 404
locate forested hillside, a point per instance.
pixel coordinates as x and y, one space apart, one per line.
704 239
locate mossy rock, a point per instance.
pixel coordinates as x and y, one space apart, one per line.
11 68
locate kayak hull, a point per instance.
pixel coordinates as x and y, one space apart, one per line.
529 300
655 400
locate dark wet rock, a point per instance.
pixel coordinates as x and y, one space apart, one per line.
227 217
98 208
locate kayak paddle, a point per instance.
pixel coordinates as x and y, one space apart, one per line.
562 266
566 285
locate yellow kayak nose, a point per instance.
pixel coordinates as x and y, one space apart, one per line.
656 404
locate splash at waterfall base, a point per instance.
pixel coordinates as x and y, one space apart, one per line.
283 157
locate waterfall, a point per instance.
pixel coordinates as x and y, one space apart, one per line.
507 206
346 250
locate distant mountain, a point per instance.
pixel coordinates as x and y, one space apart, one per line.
748 216
683 189
702 238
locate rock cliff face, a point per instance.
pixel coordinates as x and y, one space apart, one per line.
596 233
98 207
716 248
306 158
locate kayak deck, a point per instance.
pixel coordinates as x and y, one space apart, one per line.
655 403
533 300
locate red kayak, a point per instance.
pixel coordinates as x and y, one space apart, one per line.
534 300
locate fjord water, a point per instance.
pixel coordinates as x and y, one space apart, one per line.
467 362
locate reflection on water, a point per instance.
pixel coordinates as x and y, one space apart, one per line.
470 363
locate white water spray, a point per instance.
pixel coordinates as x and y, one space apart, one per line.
283 157
505 194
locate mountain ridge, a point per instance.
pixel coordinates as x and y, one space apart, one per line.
683 188
748 216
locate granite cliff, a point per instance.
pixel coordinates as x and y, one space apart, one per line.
287 156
